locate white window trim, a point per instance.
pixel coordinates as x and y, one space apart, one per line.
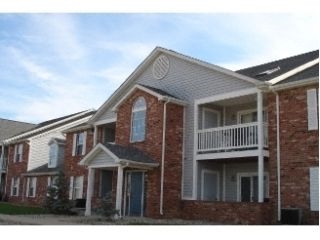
250 174
18 149
145 119
203 171
72 187
206 109
74 144
34 183
314 188
12 186
53 163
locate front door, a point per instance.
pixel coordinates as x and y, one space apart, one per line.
134 193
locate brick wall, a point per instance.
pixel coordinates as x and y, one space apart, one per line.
152 146
227 212
299 151
15 169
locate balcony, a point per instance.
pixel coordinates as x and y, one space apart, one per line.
229 138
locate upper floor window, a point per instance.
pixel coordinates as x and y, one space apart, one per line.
79 144
53 155
138 120
18 149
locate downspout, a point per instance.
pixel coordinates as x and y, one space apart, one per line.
164 126
278 156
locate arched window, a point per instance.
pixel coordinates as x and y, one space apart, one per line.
138 120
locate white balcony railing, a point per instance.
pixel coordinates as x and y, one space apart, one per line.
241 136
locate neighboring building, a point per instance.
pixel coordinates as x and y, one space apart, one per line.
35 158
8 128
195 140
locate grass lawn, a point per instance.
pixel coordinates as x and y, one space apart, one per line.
7 208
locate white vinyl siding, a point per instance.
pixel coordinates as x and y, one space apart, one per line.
102 158
76 187
188 82
31 186
79 144
312 102
18 150
314 188
15 183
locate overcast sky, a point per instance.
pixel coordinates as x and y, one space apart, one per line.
57 64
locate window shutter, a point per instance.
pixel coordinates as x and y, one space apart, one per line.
81 186
312 109
74 144
21 152
28 186
15 153
34 186
12 181
49 181
84 142
18 187
71 188
314 188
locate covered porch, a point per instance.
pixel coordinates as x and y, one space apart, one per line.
131 165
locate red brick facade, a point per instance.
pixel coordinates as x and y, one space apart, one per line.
152 146
299 151
15 169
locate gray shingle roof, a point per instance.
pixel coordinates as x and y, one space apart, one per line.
44 170
284 65
129 153
9 128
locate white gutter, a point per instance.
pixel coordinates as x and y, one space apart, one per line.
300 83
164 126
278 156
294 71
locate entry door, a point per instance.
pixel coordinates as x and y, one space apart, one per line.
210 185
249 188
135 192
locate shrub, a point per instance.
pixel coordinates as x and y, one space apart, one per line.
57 200
107 208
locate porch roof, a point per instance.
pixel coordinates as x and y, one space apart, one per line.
118 154
44 170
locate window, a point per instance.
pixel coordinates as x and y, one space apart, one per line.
52 181
53 155
138 120
31 186
79 144
210 185
248 187
76 188
248 116
314 188
312 102
18 148
210 118
15 181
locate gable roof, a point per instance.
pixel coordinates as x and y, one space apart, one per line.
160 94
9 128
151 57
120 155
49 125
282 66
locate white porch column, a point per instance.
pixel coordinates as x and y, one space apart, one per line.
90 187
95 135
260 146
119 189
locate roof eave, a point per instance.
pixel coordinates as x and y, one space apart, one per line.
300 83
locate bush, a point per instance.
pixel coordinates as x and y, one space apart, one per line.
57 200
106 207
